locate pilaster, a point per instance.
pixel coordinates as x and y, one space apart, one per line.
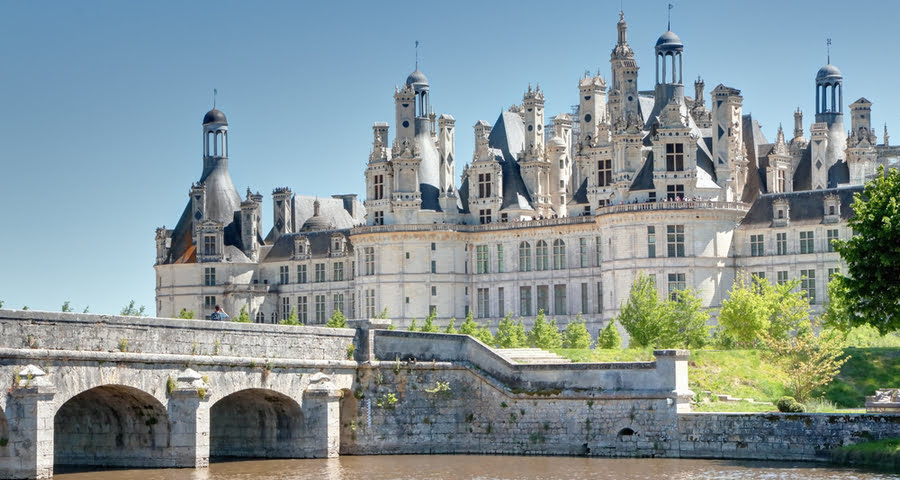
29 413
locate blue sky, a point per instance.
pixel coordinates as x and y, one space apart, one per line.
101 102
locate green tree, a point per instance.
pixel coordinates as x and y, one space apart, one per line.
808 361
544 334
641 315
186 314
576 334
132 311
469 327
684 324
87 309
609 337
337 320
384 314
429 325
25 307
66 306
484 335
291 320
413 327
242 317
837 313
1 303
755 307
509 334
870 286
451 327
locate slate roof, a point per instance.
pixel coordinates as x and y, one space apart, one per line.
806 207
644 179
319 245
508 137
330 209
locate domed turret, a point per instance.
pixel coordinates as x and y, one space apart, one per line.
214 116
417 80
829 72
669 42
316 222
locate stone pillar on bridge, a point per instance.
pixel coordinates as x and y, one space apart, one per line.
365 337
29 414
672 368
189 420
322 412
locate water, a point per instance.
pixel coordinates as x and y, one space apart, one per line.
447 467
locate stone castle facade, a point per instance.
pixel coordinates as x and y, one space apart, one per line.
558 216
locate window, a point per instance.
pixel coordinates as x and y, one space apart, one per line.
583 252
604 173
209 244
303 309
808 284
484 185
500 301
320 272
543 298
209 276
301 273
338 302
484 216
338 272
675 193
831 272
260 317
559 299
433 290
525 301
756 246
525 257
675 240
559 254
781 276
832 236
283 276
379 218
781 243
760 275
434 266
674 157
209 302
483 305
379 187
370 303
499 258
599 297
584 297
806 242
676 284
542 257
285 308
433 246
599 251
482 259
320 308
369 260
351 305
779 180
651 242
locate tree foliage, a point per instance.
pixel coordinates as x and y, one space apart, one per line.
429 325
469 327
185 313
872 255
292 319
669 323
451 327
640 315
1 303
576 334
509 334
609 337
337 320
413 326
242 317
756 308
133 311
66 306
808 361
544 334
684 322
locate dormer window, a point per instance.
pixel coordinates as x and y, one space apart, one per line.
301 248
338 245
832 209
781 212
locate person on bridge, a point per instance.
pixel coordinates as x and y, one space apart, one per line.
219 314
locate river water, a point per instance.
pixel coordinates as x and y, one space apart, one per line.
447 467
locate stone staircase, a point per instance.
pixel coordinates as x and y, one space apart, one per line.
530 355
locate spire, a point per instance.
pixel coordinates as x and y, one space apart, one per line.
669 23
316 203
215 94
417 54
886 137
828 48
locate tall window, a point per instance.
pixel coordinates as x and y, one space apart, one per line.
483 305
379 187
676 284
320 308
756 246
434 266
351 306
559 254
209 244
379 218
338 272
604 172
320 272
484 185
543 298
583 252
831 272
806 242
283 275
303 309
585 293
832 236
542 256
651 242
369 260
808 284
781 276
301 273
675 240
484 216
779 180
781 243
260 317
599 248
674 157
285 308
524 257
559 299
482 259
339 302
209 302
599 297
500 302
209 276
674 192
499 258
370 303
525 301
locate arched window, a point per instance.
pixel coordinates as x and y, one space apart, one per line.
542 253
524 257
208 150
559 254
260 317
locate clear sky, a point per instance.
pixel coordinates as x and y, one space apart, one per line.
101 102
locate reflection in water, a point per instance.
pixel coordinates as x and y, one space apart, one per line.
452 467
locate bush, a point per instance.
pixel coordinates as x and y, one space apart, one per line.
511 335
337 320
609 337
789 405
544 334
576 334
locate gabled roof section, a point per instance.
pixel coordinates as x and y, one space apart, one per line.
319 245
508 138
806 208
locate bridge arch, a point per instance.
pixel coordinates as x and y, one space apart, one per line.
111 425
258 423
5 448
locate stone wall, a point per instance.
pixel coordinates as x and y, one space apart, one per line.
778 436
75 331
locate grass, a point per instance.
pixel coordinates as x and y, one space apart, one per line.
867 370
742 407
881 453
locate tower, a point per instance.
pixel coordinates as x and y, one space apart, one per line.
829 113
533 102
623 96
379 177
592 108
282 218
250 222
861 154
727 138
669 85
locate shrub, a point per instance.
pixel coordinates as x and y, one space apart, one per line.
544 334
509 334
609 337
576 334
789 405
337 320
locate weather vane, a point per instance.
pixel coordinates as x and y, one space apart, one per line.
828 48
215 92
417 54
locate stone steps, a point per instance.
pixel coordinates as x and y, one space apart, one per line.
530 355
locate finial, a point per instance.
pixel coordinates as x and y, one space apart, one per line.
417 54
669 25
215 93
828 48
